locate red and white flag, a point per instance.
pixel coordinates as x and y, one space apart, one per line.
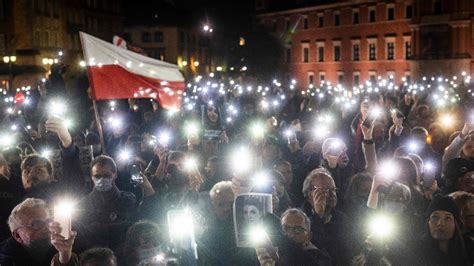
116 73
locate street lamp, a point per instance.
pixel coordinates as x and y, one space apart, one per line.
9 59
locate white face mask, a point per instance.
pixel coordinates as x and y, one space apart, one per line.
332 160
104 184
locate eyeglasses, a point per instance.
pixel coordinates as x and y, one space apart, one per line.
314 188
36 225
295 229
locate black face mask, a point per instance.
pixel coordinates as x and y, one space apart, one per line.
39 249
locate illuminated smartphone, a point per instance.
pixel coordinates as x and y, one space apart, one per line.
63 218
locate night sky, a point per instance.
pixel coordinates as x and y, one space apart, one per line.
226 17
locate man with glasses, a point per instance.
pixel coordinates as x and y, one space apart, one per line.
34 239
329 227
296 249
37 171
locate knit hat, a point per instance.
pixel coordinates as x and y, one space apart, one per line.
444 203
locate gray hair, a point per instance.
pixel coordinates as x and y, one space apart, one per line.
14 220
223 187
307 221
318 172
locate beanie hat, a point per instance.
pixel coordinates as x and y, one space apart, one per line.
444 203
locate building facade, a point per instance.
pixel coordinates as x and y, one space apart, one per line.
187 47
349 42
41 32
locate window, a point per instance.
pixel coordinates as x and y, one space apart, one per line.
372 76
337 19
158 36
310 78
408 11
437 7
372 14
321 54
146 37
305 54
390 50
372 51
322 76
340 78
3 44
337 52
288 55
408 76
355 17
2 9
356 79
391 13
305 23
356 52
407 49
320 20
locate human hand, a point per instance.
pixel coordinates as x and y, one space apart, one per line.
319 199
223 138
58 125
367 132
62 245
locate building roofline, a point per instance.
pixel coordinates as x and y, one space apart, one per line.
315 8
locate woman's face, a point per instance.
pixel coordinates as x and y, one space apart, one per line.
442 225
251 213
212 114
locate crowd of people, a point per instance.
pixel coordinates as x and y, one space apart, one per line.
380 177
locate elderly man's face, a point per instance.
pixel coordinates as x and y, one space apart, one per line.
32 226
294 227
35 175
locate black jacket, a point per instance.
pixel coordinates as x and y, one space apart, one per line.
334 237
14 254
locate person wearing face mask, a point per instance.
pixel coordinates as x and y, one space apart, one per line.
107 210
34 241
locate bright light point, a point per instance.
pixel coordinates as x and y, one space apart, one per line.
181 225
14 127
241 160
57 108
112 103
447 120
159 258
257 130
190 164
260 180
164 138
82 63
191 128
376 112
125 155
381 226
68 123
428 166
414 146
64 209
388 169
115 122
9 110
46 153
258 235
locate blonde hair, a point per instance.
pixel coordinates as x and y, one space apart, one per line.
20 209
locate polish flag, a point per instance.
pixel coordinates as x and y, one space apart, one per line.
116 73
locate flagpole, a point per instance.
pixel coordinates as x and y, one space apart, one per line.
99 126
